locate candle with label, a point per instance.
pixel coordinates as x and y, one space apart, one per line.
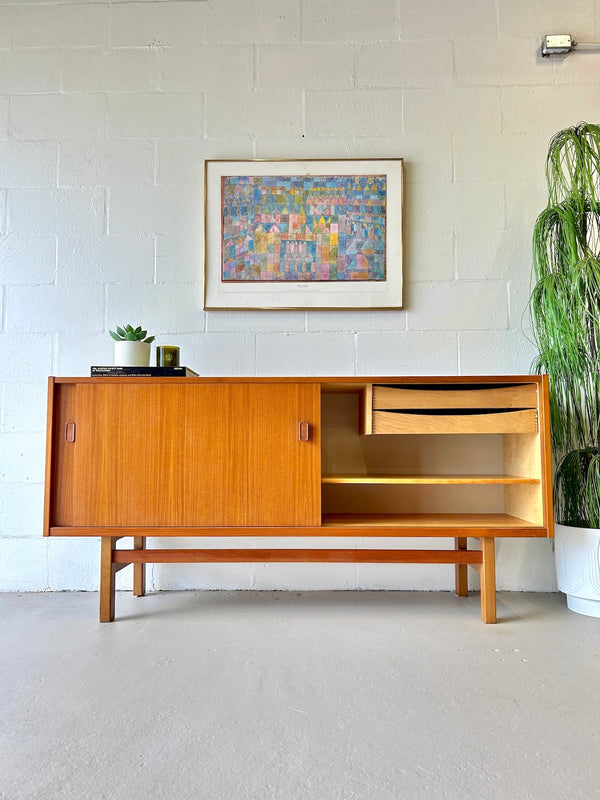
167 356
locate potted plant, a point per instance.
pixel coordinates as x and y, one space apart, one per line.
132 346
565 313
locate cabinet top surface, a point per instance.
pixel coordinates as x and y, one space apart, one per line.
344 380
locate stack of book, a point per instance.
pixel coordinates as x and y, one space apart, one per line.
142 372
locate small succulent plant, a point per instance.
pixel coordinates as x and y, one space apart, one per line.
131 334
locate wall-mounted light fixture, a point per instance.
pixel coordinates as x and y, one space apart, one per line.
559 44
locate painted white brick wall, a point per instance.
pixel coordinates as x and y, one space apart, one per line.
53 25
107 112
24 71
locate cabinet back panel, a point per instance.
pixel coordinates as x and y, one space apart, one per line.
346 452
412 499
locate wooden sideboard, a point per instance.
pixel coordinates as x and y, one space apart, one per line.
449 457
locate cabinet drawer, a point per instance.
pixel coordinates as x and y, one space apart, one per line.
514 396
522 421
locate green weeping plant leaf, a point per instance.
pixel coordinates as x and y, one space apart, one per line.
565 314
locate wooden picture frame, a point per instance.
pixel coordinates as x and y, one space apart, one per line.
303 234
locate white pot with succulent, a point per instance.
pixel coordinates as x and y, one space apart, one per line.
132 346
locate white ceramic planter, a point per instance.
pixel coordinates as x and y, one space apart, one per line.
577 552
132 354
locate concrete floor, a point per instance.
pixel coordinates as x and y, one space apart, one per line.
298 696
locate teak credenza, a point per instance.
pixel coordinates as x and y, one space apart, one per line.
454 457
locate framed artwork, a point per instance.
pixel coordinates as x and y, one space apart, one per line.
303 234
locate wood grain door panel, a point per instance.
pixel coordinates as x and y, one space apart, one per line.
189 454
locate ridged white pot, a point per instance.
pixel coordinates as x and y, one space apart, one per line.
132 354
577 552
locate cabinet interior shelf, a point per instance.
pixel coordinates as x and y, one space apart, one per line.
422 521
411 480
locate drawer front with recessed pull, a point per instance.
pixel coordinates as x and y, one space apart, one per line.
517 396
456 421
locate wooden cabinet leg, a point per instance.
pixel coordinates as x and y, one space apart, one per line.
139 570
461 578
107 579
488 579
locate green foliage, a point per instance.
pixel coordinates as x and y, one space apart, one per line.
131 334
565 313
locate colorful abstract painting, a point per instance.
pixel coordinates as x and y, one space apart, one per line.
303 228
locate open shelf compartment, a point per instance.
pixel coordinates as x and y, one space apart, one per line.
481 477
